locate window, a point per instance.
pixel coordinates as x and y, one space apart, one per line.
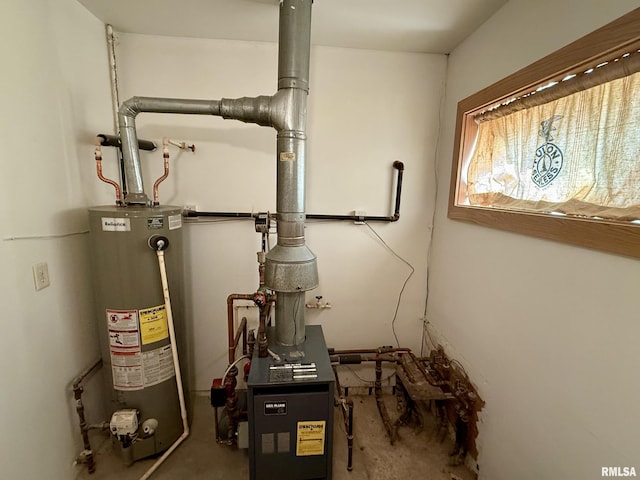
553 150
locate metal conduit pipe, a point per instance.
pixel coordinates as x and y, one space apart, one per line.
86 456
333 351
290 267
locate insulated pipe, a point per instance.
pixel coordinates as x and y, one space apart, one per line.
114 141
159 244
333 351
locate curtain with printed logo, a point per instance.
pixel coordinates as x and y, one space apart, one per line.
577 155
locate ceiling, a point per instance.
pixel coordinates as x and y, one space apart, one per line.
429 26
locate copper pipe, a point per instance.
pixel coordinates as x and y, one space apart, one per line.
230 330
98 157
165 156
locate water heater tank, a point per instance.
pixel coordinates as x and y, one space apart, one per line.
132 323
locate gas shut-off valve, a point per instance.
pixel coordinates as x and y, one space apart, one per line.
319 303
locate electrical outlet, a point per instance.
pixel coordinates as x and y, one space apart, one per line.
41 275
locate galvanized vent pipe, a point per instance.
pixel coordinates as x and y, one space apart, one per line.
290 267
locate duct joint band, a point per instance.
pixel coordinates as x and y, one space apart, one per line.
295 134
290 82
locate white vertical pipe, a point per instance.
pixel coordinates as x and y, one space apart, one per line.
176 368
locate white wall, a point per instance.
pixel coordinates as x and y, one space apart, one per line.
55 96
366 109
547 331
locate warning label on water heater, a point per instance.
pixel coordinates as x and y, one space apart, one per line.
124 349
127 378
131 368
153 324
123 329
158 365
122 319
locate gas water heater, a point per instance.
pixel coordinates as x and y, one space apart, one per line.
132 322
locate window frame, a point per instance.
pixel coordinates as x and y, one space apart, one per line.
605 43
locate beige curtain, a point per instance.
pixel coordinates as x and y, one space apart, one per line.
577 155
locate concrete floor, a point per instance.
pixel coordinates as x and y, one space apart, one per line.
199 457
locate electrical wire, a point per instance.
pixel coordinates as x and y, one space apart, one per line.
238 360
46 236
433 215
425 331
453 361
395 315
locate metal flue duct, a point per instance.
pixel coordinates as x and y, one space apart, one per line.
290 267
